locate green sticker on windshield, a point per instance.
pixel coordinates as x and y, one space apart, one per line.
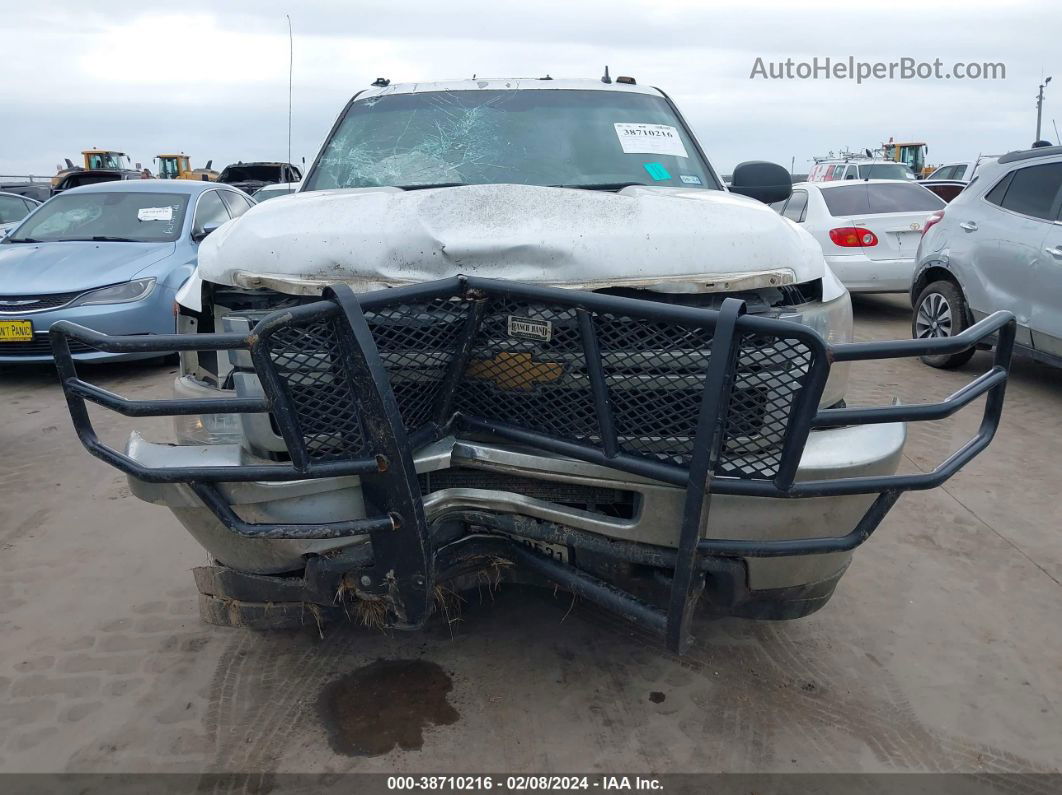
657 171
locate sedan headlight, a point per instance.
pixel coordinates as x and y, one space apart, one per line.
833 321
118 294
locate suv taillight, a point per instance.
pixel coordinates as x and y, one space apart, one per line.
853 237
935 218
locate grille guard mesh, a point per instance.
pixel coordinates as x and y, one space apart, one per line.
458 358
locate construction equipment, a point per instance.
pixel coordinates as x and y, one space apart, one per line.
94 160
106 159
179 166
912 154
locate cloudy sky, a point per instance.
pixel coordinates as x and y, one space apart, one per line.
210 78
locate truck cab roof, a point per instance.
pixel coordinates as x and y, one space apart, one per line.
509 84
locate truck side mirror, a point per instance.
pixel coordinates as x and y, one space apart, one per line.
758 179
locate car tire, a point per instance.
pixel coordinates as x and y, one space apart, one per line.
940 311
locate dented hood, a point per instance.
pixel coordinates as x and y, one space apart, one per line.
667 239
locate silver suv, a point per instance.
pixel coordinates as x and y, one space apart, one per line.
998 245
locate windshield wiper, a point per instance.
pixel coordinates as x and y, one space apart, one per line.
21 240
601 185
98 239
431 185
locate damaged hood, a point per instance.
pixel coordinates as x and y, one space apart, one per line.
668 239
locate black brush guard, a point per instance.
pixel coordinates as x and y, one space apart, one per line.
716 402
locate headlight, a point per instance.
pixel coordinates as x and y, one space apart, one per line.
833 321
207 429
204 428
118 294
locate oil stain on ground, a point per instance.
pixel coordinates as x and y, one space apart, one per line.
385 705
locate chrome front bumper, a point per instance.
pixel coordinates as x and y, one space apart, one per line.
834 453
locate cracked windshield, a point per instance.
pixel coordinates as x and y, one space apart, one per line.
593 139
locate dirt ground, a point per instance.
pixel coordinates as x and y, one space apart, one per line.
941 649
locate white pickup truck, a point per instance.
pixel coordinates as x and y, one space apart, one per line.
522 326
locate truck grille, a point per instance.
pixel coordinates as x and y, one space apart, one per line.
537 376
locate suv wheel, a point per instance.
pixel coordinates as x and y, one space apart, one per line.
940 311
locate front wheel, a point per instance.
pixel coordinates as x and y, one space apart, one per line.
940 311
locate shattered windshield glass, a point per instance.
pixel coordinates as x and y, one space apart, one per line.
574 138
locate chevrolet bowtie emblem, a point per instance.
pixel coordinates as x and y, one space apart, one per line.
514 371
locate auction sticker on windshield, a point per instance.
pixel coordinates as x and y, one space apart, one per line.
657 171
155 214
16 331
655 139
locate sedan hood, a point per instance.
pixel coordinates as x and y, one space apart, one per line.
668 239
41 268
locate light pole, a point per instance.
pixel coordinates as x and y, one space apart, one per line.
1040 107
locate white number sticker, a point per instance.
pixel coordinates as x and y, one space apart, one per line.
655 139
155 214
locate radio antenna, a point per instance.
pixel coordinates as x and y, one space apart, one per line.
291 64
